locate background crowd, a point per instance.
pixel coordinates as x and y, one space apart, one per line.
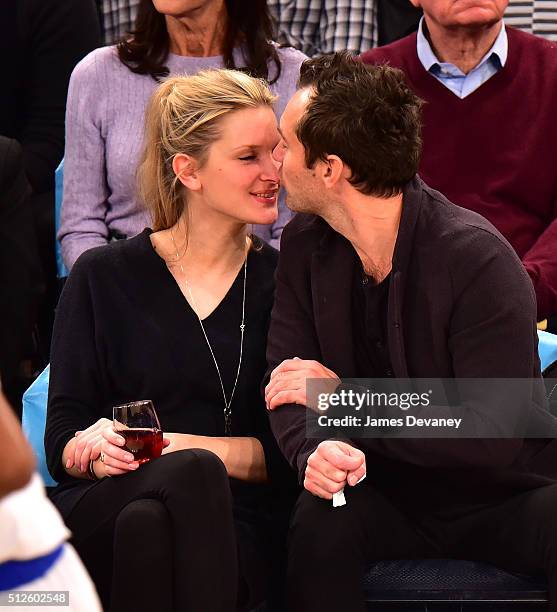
78 75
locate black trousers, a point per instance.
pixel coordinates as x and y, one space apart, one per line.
164 538
329 548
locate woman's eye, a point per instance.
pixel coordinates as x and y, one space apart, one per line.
247 158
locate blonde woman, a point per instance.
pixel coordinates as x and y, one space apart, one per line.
178 315
109 91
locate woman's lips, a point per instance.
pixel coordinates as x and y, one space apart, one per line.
265 197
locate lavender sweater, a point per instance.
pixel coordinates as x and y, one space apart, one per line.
104 136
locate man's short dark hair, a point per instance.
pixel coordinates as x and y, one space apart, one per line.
366 115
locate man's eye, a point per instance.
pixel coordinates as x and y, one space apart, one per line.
247 158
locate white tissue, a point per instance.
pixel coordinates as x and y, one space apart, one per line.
339 499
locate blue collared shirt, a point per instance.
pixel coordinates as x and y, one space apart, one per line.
452 77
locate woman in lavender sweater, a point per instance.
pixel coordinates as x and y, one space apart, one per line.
108 95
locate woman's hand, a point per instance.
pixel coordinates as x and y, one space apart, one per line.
86 446
288 382
114 460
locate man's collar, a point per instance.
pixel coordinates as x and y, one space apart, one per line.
428 58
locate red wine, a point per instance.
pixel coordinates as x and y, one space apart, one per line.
144 444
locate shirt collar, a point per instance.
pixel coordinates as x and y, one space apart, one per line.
428 58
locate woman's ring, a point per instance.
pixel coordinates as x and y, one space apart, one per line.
102 457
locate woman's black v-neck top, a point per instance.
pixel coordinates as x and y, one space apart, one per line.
124 332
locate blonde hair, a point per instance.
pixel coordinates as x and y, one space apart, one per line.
183 116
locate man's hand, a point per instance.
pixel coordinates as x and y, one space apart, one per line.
288 381
331 465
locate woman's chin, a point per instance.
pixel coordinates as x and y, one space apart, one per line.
265 217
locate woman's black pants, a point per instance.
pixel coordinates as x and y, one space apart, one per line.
163 538
329 548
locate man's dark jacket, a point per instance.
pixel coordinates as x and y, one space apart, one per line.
460 305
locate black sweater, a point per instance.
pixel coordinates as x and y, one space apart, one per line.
124 332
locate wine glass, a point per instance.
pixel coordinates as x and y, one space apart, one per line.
138 423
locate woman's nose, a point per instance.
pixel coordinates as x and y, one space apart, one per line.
271 169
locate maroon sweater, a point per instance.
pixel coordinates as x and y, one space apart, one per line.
495 151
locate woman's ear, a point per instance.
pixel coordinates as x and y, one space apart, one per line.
186 169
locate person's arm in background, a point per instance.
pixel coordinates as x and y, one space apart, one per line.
16 457
86 192
541 264
21 283
58 35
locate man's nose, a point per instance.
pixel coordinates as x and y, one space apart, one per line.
278 153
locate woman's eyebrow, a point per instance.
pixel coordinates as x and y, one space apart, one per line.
246 146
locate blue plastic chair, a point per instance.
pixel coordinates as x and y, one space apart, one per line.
35 400
62 271
547 348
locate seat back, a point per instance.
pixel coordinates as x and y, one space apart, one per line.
61 269
35 400
547 349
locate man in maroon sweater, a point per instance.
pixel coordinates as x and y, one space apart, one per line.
490 134
380 276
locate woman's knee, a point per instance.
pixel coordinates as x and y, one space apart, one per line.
194 469
142 516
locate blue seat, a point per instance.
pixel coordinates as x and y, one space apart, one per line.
62 271
35 400
547 349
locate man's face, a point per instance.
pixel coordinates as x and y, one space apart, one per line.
303 189
463 13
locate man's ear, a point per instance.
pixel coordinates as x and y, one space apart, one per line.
333 170
186 169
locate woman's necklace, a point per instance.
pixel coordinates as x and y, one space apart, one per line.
227 402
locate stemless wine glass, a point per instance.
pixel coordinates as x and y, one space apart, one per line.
138 424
